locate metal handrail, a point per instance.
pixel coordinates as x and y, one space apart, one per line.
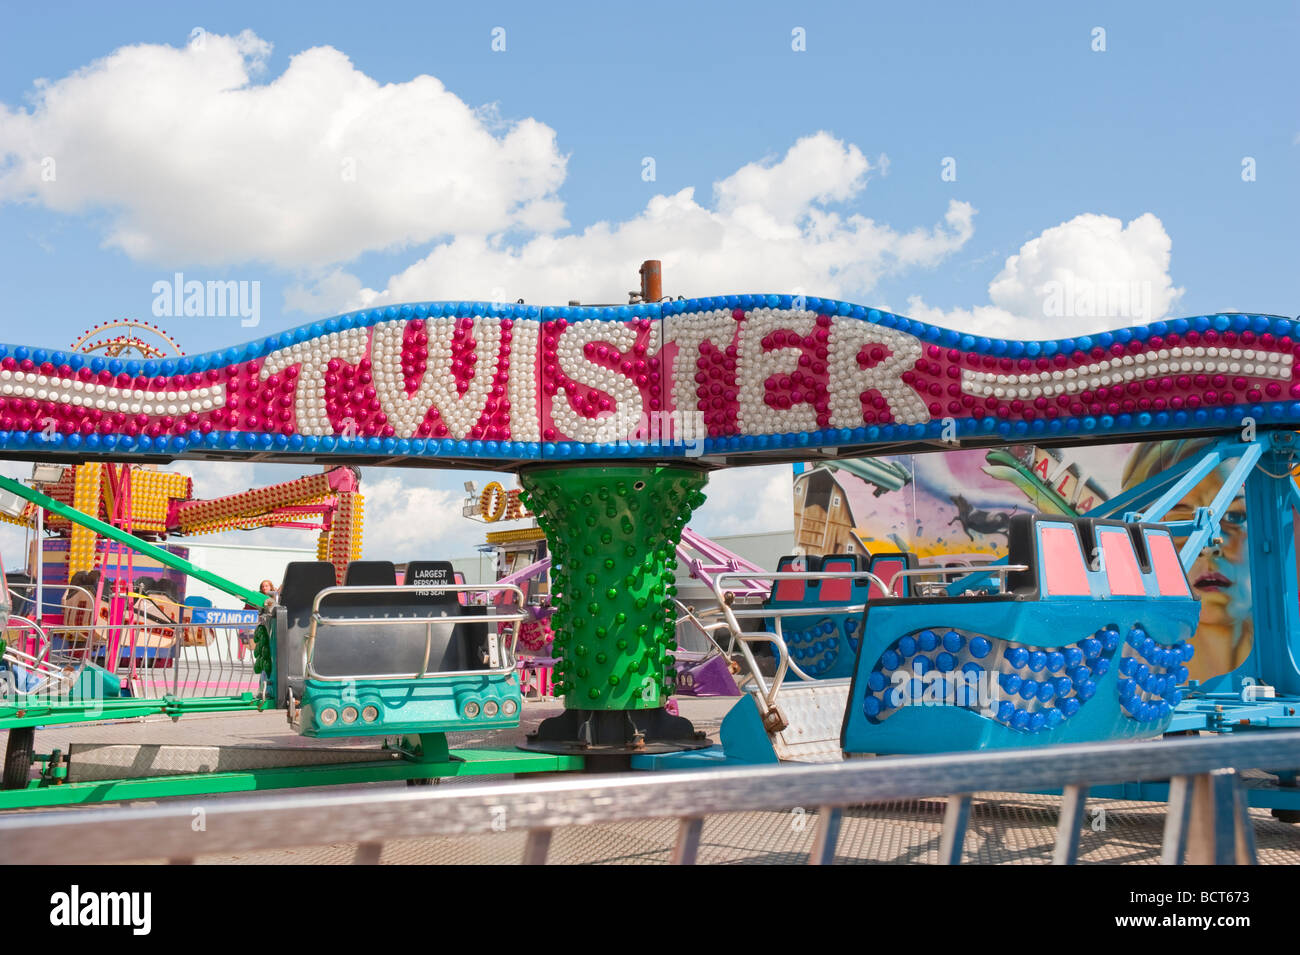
508 654
12 588
768 695
1000 570
958 574
697 620
371 817
38 664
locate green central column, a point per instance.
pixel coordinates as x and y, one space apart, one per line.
613 534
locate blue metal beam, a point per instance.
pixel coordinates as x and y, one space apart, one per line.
1194 476
1208 519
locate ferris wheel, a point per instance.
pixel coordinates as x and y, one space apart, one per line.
127 338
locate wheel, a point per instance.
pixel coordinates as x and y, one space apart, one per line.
420 782
1286 815
18 757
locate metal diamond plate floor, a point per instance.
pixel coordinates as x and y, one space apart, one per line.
1004 828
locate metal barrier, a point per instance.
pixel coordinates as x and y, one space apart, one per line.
1207 820
166 655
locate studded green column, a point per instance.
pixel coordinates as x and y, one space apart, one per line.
613 534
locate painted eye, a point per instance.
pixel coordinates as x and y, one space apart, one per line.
1235 518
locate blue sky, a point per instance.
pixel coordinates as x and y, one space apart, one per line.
1123 164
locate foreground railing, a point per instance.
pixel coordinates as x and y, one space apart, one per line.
1207 819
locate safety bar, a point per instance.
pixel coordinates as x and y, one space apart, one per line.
38 664
697 620
13 586
990 570
507 667
743 639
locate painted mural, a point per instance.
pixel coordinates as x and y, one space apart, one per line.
960 503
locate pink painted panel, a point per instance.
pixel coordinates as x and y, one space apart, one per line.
1164 560
1064 572
1122 570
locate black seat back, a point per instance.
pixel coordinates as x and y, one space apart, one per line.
303 580
469 645
433 573
370 573
1022 549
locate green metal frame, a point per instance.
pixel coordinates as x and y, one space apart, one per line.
430 759
122 708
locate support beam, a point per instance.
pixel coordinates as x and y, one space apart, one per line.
613 532
1275 606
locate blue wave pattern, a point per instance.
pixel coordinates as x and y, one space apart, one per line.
816 649
1026 688
1150 675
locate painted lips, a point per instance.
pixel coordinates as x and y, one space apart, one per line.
1212 582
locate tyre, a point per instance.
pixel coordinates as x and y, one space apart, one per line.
18 757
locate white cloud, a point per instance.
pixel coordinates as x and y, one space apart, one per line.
217 479
407 518
771 227
746 501
198 158
1090 274
408 514
197 161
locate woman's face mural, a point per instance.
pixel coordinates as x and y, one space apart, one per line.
1220 577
